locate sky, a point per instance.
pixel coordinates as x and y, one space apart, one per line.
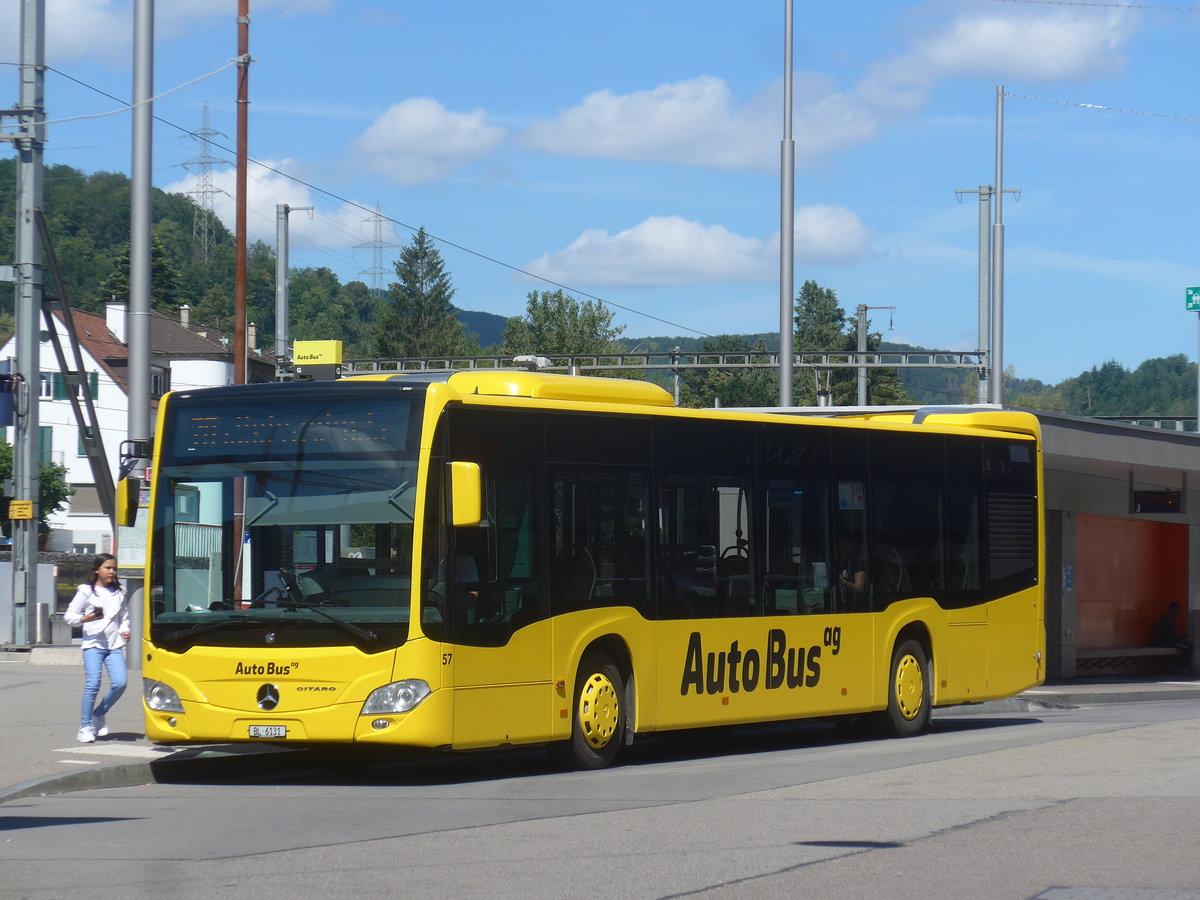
630 152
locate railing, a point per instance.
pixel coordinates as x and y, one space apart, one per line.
1165 423
677 360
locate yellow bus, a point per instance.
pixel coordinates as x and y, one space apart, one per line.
492 558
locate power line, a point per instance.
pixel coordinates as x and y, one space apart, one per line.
375 212
1130 112
128 106
1185 9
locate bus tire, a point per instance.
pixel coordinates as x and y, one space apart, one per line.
598 719
909 690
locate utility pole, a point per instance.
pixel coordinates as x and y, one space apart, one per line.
140 216
28 276
985 192
787 219
282 278
861 310
996 351
239 237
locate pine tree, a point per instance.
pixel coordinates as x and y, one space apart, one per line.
822 326
418 318
164 281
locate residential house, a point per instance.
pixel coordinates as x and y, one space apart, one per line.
183 356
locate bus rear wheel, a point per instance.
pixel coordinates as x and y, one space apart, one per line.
909 693
598 717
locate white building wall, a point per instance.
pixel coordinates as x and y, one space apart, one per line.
112 413
71 529
187 374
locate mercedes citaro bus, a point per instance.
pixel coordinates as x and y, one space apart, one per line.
489 558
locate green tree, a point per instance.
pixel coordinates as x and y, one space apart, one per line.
53 490
702 388
418 319
321 308
557 323
164 280
822 325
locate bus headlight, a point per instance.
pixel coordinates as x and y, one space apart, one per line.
161 697
397 697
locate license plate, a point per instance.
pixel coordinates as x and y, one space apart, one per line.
268 731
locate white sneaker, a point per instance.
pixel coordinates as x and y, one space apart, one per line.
99 725
86 735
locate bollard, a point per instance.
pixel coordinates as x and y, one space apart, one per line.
41 625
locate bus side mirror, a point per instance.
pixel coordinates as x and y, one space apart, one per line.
128 490
466 494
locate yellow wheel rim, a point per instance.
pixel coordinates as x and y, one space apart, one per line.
599 711
910 687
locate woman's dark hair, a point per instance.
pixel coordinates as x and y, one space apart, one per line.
101 559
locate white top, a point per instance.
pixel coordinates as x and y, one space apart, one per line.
105 632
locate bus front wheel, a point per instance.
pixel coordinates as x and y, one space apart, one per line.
909 690
598 717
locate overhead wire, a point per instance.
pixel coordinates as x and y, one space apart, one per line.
1098 5
371 212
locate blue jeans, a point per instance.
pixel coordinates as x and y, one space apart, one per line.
95 659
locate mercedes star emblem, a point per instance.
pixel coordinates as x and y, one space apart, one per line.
268 697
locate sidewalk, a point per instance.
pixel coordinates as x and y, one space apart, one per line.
40 694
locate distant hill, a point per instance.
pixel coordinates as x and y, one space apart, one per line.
488 327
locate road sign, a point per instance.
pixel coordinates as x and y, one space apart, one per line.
20 509
1193 299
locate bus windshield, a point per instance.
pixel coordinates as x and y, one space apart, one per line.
286 517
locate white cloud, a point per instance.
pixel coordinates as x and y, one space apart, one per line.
103 29
670 250
419 140
94 29
343 227
693 122
829 234
699 121
1060 45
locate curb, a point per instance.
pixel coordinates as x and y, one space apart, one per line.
1067 699
185 765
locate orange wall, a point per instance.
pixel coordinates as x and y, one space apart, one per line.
1126 573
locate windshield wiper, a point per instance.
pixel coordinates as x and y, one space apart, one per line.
201 627
284 601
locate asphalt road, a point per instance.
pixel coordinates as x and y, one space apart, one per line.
1099 802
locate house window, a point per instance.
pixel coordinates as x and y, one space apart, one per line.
54 385
160 381
46 443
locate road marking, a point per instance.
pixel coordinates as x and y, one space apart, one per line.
80 762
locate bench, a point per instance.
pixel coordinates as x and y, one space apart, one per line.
1126 660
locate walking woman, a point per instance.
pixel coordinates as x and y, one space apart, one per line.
101 608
